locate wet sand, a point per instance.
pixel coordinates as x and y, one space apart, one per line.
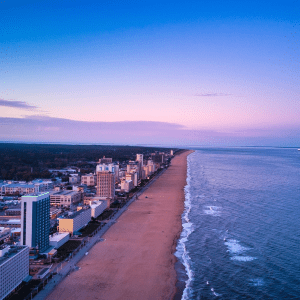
136 259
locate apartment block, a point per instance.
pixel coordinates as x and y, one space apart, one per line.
14 268
35 221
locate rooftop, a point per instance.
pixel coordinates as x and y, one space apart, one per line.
12 251
58 236
64 193
11 221
94 204
75 214
12 185
38 196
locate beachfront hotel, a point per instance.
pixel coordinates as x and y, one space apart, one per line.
35 221
14 268
105 180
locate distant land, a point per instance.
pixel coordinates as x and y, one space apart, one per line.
23 161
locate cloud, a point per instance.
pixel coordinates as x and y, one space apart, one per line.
17 104
57 130
212 95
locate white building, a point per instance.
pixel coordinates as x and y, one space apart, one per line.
35 221
58 239
133 176
98 207
126 185
151 166
14 268
132 165
139 158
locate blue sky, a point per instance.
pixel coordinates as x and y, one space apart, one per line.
210 73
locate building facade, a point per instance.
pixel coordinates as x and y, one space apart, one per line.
139 158
14 268
35 221
20 189
89 179
75 221
65 198
105 180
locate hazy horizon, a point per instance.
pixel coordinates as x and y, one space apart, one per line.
222 73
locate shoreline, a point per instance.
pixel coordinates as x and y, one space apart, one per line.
136 259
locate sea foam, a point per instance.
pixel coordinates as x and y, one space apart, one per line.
181 252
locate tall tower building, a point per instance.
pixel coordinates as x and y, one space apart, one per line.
139 158
35 221
105 180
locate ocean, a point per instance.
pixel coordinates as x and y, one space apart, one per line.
241 225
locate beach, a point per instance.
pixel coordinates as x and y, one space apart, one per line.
136 259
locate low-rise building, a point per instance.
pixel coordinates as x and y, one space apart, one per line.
58 239
74 179
2 188
54 212
11 223
14 268
20 188
98 207
13 212
89 179
65 198
75 221
4 233
43 185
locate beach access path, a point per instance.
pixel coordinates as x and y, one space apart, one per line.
135 259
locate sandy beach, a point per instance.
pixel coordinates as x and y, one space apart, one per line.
136 259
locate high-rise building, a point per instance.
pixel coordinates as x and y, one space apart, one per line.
105 180
139 158
158 157
35 221
14 268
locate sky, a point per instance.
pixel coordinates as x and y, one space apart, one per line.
174 73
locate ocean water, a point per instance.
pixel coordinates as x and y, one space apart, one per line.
241 224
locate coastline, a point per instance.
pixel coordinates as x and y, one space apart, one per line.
136 260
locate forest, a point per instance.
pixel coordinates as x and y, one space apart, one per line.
29 161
